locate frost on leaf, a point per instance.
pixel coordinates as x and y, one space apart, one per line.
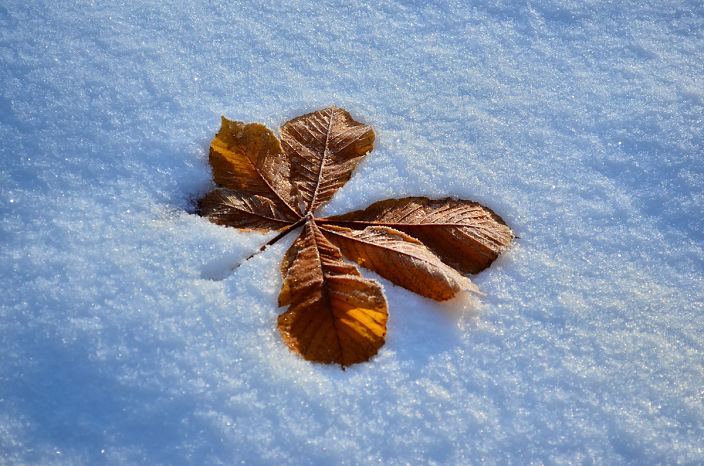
334 314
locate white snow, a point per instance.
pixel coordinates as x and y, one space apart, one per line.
125 339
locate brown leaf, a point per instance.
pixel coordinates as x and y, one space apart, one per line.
401 259
465 234
324 147
248 159
244 211
335 315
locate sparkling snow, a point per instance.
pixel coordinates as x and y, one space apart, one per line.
124 337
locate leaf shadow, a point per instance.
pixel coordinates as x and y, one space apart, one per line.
420 328
221 267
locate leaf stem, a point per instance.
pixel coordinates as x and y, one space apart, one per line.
273 240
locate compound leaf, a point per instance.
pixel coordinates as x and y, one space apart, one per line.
334 314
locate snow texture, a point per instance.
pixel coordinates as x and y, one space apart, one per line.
126 339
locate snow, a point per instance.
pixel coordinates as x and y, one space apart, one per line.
126 339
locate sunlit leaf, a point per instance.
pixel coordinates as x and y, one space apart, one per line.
324 147
464 234
245 211
334 314
247 158
401 259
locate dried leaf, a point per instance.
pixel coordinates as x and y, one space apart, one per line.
248 159
401 259
324 147
463 234
245 211
335 315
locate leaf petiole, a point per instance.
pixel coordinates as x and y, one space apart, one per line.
273 240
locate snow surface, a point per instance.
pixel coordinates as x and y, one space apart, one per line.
124 339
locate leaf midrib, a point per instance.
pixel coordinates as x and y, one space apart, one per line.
257 214
326 152
372 223
324 291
